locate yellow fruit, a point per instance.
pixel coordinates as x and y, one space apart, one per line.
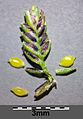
67 61
16 62
19 91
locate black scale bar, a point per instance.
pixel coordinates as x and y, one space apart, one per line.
42 108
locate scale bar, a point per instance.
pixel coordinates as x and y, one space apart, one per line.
46 108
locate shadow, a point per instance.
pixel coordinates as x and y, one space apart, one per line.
20 29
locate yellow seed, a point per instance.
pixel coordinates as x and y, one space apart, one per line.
19 91
16 62
67 61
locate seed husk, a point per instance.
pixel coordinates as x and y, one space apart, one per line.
44 89
16 62
35 72
65 71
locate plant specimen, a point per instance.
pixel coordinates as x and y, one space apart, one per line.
36 47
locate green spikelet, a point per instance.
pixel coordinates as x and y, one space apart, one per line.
35 42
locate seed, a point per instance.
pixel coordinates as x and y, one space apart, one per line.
67 61
65 71
16 62
19 91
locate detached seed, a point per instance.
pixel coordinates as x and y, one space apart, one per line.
67 61
16 62
19 91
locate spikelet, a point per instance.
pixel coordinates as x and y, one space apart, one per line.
35 43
